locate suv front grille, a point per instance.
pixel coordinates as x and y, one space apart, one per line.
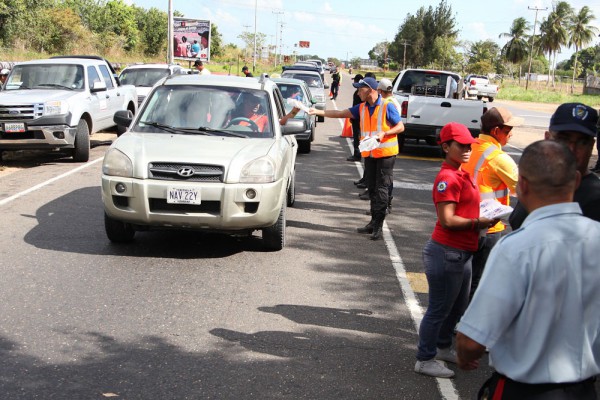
21 112
197 172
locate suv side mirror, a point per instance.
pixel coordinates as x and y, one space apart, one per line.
123 118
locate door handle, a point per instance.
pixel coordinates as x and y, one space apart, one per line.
446 104
107 96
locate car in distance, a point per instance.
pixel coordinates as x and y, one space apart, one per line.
203 154
314 82
297 89
144 76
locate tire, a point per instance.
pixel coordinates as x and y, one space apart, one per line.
81 150
291 192
490 99
401 139
304 146
117 231
479 97
274 236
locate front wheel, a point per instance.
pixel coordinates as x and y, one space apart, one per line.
490 99
274 236
117 231
81 150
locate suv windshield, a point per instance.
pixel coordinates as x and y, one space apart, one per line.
218 109
46 76
313 81
143 76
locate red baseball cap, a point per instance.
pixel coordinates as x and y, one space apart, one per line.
457 132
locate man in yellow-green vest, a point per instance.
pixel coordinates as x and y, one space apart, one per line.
496 175
379 120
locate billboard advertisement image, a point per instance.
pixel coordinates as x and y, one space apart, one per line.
191 39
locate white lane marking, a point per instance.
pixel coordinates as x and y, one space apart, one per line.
49 181
445 386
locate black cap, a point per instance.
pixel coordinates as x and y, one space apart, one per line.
575 117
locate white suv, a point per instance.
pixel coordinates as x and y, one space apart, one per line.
205 153
144 76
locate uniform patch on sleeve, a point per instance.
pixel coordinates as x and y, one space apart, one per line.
442 186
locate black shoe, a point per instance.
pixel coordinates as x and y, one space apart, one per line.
364 195
352 158
361 180
377 233
366 229
361 185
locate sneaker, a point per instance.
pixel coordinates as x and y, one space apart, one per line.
448 355
433 368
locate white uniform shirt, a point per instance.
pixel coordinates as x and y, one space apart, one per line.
537 307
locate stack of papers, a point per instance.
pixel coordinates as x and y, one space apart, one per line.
369 144
492 209
297 104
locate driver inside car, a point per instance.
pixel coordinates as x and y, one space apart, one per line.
252 109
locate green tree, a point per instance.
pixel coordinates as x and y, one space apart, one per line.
516 49
553 31
216 41
248 39
581 33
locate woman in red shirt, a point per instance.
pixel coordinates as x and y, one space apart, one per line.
447 255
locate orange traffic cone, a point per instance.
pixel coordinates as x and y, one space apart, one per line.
347 129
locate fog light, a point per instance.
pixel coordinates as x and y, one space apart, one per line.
251 194
59 134
120 188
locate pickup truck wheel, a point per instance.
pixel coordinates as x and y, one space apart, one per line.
304 146
117 231
291 192
479 97
274 236
81 151
490 99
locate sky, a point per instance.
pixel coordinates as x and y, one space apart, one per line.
343 29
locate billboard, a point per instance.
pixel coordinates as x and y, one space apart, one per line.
191 39
304 43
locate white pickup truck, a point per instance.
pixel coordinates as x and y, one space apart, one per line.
479 86
59 102
429 99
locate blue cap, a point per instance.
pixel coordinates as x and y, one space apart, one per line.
575 117
366 82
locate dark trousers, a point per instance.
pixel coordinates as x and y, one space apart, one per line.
335 86
499 387
379 173
356 137
486 243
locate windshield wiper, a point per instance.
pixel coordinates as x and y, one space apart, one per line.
203 130
54 85
228 133
164 127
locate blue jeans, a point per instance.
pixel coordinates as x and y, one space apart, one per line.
448 272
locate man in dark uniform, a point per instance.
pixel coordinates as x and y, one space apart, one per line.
574 125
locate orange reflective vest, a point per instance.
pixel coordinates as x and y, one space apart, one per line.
371 125
482 153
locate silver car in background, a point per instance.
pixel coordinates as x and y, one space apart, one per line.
314 82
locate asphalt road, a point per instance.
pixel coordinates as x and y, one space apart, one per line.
179 315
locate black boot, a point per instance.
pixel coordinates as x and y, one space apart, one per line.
367 228
377 229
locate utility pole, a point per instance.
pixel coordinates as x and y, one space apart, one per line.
281 24
404 43
532 39
277 13
170 49
246 48
254 54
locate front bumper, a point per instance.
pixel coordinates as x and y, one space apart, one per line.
39 137
224 207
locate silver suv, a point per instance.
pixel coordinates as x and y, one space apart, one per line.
204 153
144 76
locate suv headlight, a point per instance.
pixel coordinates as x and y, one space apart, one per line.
261 170
56 107
117 164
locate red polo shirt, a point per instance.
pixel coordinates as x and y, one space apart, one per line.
455 185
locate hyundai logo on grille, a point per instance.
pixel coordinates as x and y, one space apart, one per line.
14 112
185 171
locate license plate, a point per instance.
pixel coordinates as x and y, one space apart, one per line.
183 196
14 127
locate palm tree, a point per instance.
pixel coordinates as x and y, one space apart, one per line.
581 33
515 50
558 20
